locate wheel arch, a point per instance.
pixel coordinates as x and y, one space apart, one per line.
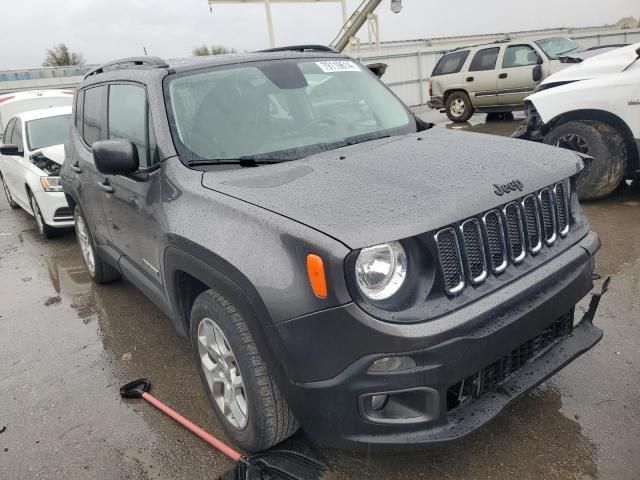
187 275
633 156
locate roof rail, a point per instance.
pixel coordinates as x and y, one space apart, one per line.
152 61
301 48
502 40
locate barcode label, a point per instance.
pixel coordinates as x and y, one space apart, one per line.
338 66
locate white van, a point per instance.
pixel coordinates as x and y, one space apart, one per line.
12 104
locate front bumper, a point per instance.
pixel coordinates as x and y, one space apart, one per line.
55 209
335 411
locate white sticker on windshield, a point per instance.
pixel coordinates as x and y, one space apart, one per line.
338 66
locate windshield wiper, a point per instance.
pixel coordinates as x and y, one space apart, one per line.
242 161
364 138
566 51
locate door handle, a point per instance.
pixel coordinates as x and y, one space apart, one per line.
469 79
502 75
76 168
106 186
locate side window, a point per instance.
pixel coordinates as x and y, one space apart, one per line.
93 115
519 56
154 156
450 63
128 120
9 131
16 137
79 108
484 59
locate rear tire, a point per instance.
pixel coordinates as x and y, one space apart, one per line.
99 270
44 230
458 107
7 194
601 141
252 412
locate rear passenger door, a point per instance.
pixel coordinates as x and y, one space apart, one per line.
89 182
132 208
517 79
482 78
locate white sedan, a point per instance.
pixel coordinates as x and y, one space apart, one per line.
30 162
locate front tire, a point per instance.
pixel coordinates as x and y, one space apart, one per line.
100 271
601 141
242 393
12 203
458 107
44 230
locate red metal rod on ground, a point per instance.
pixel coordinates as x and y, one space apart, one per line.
207 437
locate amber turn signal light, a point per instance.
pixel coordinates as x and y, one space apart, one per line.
317 279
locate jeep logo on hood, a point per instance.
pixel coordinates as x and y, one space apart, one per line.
508 187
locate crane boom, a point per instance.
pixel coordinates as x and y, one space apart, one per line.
355 22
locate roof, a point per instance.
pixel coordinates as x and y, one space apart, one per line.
194 63
44 113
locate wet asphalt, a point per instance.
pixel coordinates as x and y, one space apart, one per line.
66 345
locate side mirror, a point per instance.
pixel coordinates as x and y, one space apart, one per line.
537 73
10 150
116 157
378 69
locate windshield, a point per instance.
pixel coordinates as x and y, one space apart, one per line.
45 132
281 110
556 46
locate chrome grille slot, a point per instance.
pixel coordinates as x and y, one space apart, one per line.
450 260
474 250
532 223
562 208
496 245
548 215
515 232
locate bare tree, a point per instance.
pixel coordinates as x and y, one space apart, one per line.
203 51
61 56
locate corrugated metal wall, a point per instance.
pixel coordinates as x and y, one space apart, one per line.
411 63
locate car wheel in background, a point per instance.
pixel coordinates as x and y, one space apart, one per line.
458 107
244 397
99 270
44 230
601 141
7 193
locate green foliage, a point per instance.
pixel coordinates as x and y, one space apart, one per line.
61 56
203 51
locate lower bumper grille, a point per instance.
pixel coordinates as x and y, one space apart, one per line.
490 377
63 214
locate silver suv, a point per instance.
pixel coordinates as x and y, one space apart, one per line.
494 77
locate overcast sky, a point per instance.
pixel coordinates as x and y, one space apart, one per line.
106 29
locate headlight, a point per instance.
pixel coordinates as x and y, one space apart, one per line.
51 184
381 270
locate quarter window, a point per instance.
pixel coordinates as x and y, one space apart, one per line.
78 113
519 56
484 59
450 63
93 115
9 131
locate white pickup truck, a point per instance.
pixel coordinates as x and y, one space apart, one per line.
592 108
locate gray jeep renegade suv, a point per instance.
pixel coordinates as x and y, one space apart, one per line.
336 263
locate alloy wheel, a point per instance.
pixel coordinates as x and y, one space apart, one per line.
85 244
221 370
7 192
457 107
36 214
573 141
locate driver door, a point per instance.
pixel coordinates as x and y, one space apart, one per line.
12 168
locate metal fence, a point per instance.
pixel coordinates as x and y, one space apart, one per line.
408 72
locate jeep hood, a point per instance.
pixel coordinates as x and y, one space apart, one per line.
397 187
612 61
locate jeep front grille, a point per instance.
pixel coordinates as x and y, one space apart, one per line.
501 237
